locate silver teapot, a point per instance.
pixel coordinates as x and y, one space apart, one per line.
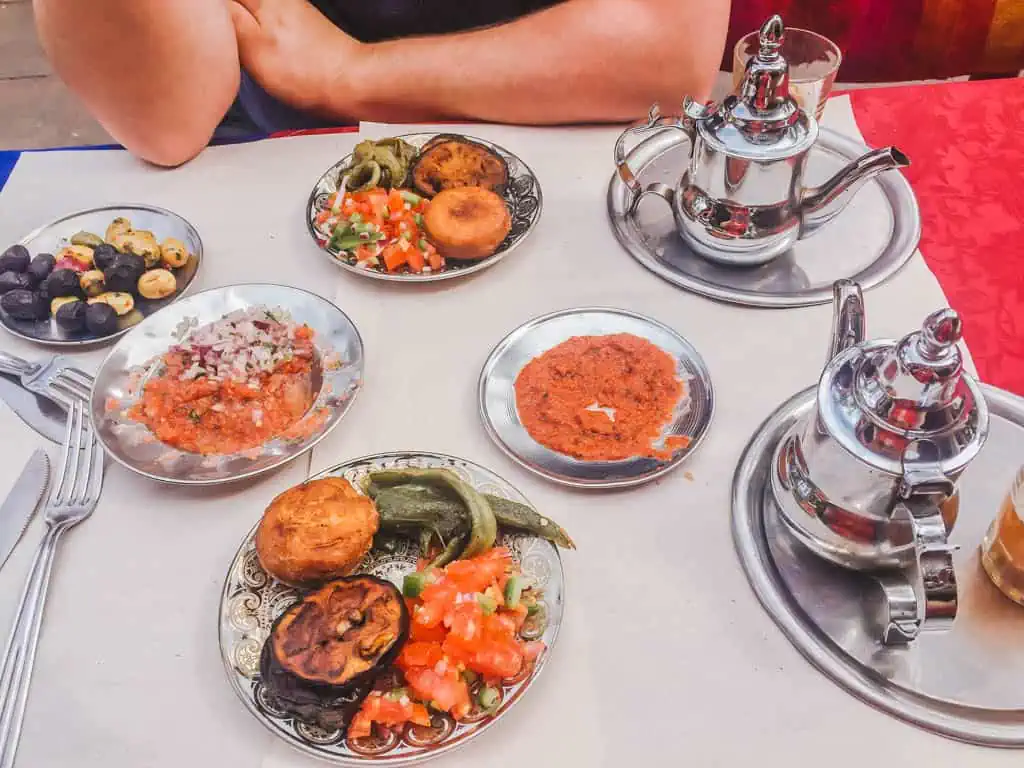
742 200
868 479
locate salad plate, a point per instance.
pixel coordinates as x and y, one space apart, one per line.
140 360
519 190
252 601
501 414
63 235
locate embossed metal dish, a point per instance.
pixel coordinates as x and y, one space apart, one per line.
847 248
522 194
337 377
968 683
50 238
497 396
252 600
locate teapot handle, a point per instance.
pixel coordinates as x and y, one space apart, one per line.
654 123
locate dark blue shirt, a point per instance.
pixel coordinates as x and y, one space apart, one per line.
255 111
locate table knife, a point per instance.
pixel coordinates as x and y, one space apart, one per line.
41 414
21 502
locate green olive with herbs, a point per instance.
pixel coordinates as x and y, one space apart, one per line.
122 303
173 253
116 228
92 282
87 239
157 284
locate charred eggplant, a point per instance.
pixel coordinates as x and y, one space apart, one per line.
325 652
458 163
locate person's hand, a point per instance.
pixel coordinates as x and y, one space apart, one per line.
294 52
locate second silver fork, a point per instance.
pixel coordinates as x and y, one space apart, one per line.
72 499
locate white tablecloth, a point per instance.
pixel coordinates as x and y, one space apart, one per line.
665 657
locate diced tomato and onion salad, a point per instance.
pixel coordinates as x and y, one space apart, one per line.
380 229
464 641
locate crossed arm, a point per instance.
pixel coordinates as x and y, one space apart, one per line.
160 75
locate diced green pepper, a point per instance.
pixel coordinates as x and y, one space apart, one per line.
513 591
487 604
413 584
489 698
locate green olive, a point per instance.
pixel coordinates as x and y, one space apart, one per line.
91 282
157 284
118 226
86 238
173 253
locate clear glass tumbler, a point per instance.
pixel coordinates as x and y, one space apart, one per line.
1002 550
813 63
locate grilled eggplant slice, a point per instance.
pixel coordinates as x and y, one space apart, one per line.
325 652
344 634
458 163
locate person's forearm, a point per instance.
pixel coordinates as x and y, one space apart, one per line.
581 61
158 75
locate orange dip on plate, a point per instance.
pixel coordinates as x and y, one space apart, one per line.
219 396
601 398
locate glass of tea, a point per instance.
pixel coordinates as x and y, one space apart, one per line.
813 63
1002 550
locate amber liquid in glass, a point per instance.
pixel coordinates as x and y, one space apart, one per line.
1002 552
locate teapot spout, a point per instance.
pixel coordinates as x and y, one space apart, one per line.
822 204
848 319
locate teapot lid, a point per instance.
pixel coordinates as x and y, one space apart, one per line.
761 118
884 400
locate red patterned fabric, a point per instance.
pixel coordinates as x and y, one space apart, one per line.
966 145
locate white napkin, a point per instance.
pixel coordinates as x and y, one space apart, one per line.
665 656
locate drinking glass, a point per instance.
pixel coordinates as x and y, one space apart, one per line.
1002 550
813 63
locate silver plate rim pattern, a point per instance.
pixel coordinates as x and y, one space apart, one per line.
115 210
348 379
327 184
390 459
694 362
747 521
902 244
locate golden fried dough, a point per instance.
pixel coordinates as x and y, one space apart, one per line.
467 223
316 531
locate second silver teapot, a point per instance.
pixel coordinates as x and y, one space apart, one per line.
742 199
868 479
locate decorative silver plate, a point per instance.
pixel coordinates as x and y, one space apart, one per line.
847 247
252 600
497 396
968 683
337 377
51 237
522 194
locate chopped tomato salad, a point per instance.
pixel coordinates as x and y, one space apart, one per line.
380 228
463 642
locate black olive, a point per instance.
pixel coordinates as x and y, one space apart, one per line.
71 316
103 255
40 267
10 281
23 304
123 275
101 319
15 259
62 282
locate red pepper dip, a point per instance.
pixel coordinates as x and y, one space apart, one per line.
601 398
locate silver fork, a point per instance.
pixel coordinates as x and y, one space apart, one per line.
72 499
48 378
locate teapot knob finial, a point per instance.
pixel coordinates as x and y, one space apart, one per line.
771 36
942 329
931 354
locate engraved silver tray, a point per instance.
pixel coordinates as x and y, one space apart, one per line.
966 684
252 600
803 276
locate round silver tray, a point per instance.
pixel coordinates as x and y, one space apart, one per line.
522 195
966 684
252 600
49 238
497 396
804 275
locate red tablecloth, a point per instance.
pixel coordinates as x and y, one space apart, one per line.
966 145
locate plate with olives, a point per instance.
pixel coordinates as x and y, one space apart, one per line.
90 276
